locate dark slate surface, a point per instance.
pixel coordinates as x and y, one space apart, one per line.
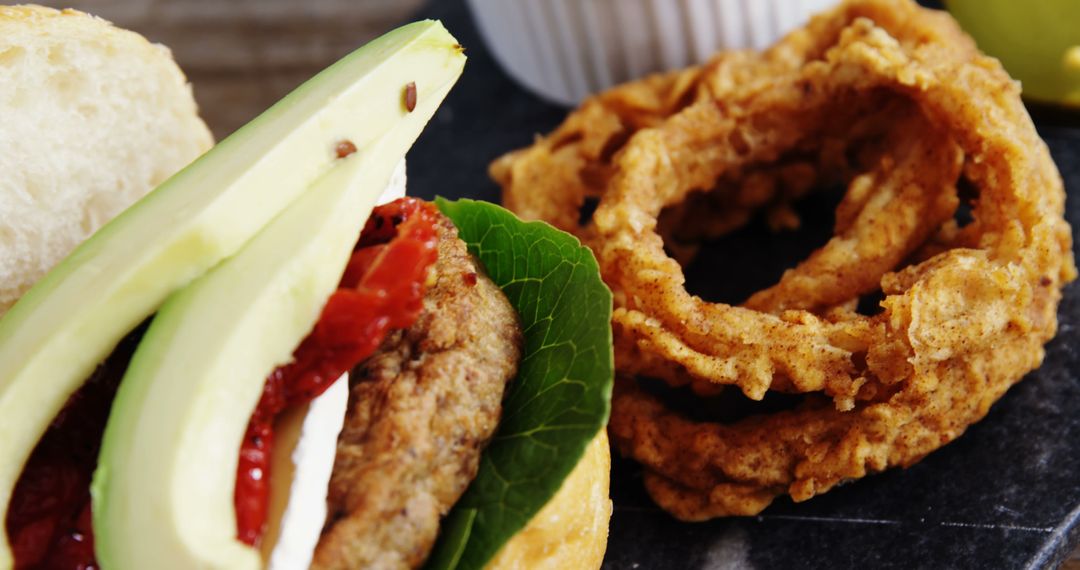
1005 495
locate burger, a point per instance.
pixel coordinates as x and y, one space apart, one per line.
276 359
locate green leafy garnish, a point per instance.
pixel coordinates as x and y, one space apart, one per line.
562 394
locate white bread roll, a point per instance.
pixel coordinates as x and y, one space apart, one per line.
92 117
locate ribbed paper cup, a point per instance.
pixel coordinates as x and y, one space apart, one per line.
563 50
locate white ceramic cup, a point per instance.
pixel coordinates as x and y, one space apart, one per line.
564 50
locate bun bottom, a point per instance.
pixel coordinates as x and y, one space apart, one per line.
571 531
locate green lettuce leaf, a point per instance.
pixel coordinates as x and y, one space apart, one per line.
562 394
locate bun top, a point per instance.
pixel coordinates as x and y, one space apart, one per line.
93 117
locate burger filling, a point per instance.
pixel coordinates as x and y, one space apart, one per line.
49 520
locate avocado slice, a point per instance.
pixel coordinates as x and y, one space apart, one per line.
163 491
52 339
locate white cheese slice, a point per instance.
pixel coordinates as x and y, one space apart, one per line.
305 445
304 450
396 188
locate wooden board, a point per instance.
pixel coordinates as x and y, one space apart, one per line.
243 55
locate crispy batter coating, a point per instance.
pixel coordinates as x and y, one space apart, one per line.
896 102
421 411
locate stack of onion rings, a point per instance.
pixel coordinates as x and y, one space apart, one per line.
896 102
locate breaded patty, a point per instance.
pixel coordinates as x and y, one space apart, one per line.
421 410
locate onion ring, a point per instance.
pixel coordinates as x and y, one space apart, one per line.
893 100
